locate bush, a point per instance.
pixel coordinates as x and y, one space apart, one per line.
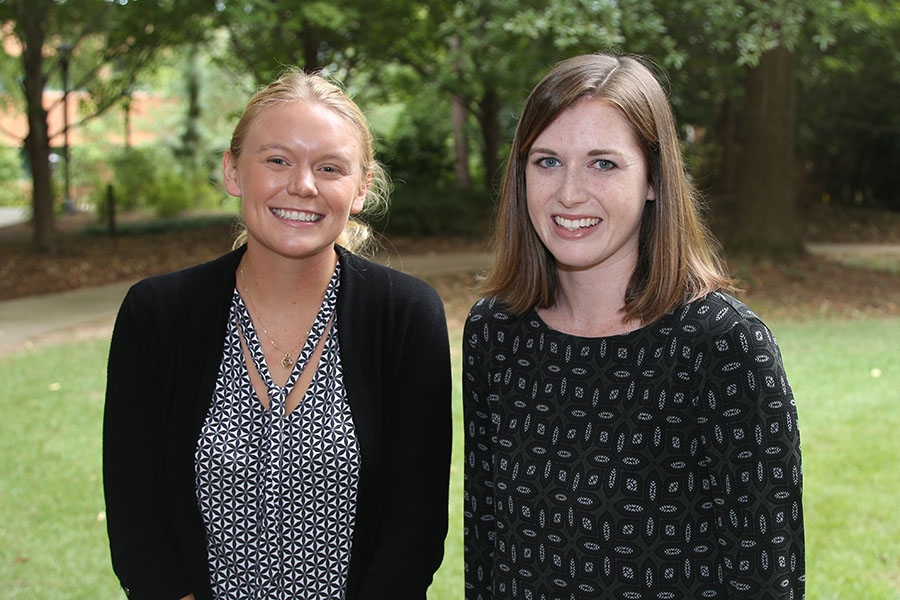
150 178
421 211
13 185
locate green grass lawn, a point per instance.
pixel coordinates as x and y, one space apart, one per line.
845 375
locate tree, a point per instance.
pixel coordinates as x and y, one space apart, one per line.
766 217
752 106
268 36
849 129
124 37
486 56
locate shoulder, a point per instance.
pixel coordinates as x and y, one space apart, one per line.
726 324
716 312
489 315
487 310
190 279
191 287
366 282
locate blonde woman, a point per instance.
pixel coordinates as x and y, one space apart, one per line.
277 421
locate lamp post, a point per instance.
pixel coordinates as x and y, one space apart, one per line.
65 53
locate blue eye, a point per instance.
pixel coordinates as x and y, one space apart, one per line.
548 162
605 165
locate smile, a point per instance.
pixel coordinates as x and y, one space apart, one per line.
574 225
296 215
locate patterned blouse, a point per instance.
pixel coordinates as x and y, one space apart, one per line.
659 464
278 492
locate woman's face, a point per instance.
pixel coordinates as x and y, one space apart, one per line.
299 177
587 183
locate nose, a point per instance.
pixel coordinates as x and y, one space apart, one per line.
572 190
302 182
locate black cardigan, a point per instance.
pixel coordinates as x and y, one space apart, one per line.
164 359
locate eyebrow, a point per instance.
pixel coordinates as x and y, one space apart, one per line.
596 152
281 147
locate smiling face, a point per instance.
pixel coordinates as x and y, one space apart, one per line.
586 187
299 177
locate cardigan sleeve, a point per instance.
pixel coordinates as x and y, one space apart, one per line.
142 540
478 509
752 445
416 420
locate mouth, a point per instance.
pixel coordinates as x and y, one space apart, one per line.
576 224
297 216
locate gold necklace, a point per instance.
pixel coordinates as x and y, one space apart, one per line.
286 359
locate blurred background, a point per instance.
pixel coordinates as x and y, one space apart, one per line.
114 115
784 106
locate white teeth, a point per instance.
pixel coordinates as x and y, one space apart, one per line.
295 215
576 224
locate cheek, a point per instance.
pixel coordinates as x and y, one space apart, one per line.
539 221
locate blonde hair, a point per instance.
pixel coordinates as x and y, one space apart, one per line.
294 85
678 260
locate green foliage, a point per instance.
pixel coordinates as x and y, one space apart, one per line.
310 35
148 177
488 54
175 192
134 171
416 151
849 128
12 192
435 211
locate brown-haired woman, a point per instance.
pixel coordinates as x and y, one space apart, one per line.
630 431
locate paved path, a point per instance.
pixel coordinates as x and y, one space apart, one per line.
13 215
66 315
855 249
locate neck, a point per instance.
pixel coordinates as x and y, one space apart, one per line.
590 303
280 282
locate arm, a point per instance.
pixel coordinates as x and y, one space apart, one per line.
142 543
753 445
415 466
478 510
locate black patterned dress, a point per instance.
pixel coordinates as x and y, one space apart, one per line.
278 491
659 464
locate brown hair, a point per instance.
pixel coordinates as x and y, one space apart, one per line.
677 261
296 86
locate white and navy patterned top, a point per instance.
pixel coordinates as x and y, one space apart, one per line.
659 464
278 491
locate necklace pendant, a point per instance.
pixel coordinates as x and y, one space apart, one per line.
286 360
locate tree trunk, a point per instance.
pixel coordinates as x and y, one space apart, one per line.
488 108
729 163
766 216
309 41
460 143
724 173
37 144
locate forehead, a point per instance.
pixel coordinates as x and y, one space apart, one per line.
304 123
589 121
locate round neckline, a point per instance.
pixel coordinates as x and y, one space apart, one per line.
533 313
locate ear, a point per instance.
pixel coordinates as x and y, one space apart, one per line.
230 174
361 193
651 193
